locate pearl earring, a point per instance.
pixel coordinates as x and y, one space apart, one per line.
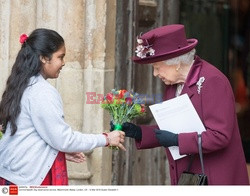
178 67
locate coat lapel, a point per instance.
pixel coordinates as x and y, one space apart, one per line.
192 78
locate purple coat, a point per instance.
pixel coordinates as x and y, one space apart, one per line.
224 159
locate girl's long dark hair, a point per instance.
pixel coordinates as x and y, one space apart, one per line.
40 43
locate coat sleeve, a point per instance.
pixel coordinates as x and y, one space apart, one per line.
47 116
148 137
218 108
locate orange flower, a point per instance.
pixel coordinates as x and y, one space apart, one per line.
121 93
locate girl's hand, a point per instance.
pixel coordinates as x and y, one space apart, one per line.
76 157
116 138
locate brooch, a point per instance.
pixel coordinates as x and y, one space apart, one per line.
199 84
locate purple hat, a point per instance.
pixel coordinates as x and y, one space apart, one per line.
163 43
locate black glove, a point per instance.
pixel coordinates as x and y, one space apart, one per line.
130 129
112 126
166 138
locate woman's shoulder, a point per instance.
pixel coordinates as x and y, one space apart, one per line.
39 83
214 78
212 72
39 87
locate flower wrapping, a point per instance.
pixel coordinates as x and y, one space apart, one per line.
123 106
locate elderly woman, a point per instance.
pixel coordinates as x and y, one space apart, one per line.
175 63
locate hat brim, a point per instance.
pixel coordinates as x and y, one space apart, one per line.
169 55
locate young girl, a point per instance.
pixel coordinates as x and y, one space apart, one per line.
36 138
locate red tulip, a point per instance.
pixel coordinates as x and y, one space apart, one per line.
109 97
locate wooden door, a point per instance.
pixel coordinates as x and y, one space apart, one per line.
140 167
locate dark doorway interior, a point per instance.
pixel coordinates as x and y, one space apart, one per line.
223 30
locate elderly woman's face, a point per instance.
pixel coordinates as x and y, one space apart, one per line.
167 73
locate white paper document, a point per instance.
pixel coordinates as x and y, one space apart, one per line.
177 115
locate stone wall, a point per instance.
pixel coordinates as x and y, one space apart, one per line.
88 27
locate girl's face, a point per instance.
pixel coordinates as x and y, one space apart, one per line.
51 68
167 73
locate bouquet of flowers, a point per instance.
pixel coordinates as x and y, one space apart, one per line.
123 106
